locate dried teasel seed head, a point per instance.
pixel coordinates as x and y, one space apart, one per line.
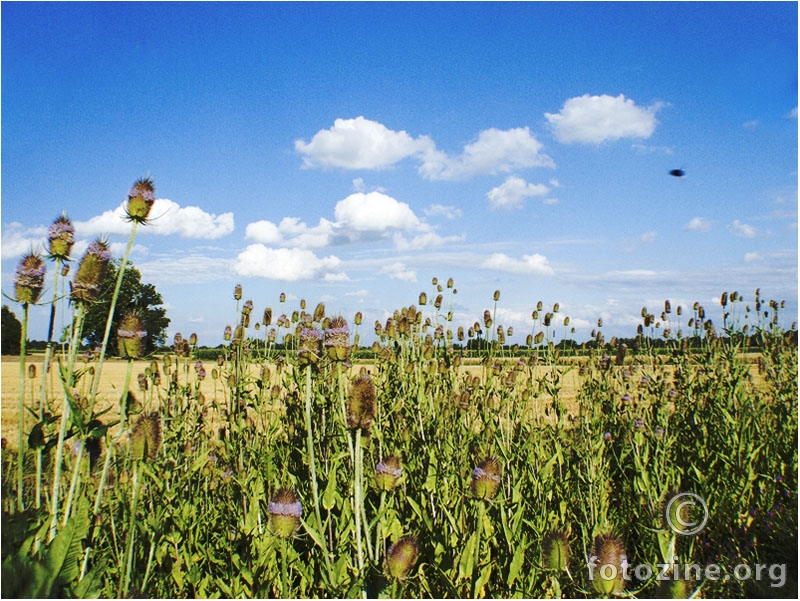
496 295
361 404
401 557
358 318
319 312
237 292
285 511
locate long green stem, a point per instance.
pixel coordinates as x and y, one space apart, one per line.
43 388
131 532
310 443
74 484
477 557
67 384
23 344
357 503
110 317
97 503
284 577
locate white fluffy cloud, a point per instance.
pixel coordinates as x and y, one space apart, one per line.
292 232
359 144
595 119
742 230
287 264
528 264
511 194
698 224
364 144
495 151
166 218
374 212
427 239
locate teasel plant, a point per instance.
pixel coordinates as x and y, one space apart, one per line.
141 197
60 240
360 415
85 289
28 287
285 512
144 444
484 485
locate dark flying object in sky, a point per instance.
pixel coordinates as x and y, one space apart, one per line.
677 172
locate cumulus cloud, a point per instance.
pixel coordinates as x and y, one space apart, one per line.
495 151
528 264
359 144
287 264
742 230
399 271
166 218
595 119
18 240
698 224
511 194
374 212
365 144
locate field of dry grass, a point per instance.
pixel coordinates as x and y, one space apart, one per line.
113 380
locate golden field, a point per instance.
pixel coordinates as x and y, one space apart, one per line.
214 391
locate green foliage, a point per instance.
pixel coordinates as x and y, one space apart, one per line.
133 295
10 332
573 450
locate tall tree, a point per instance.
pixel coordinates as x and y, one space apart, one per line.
10 332
134 295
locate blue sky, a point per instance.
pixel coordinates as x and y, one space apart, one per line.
349 153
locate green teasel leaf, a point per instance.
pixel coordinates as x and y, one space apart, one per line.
516 564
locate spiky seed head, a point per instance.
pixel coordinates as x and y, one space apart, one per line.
131 335
496 295
361 403
282 297
358 318
487 319
60 238
267 316
91 271
724 299
610 556
145 437
538 338
388 472
141 197
285 511
486 478
337 339
32 371
556 307
401 557
423 299
310 346
237 292
555 550
29 279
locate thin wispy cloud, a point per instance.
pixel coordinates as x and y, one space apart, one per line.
699 224
596 119
742 230
528 264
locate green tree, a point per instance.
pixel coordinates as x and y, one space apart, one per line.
133 295
10 331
